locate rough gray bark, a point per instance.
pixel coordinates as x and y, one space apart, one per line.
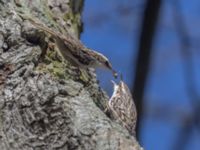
45 103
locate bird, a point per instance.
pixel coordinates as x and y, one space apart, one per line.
73 50
122 106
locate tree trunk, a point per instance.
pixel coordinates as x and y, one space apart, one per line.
46 103
149 23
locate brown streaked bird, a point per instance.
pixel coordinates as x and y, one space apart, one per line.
73 50
122 107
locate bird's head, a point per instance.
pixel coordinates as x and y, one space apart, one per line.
103 61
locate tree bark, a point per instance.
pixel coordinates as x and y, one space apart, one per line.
46 103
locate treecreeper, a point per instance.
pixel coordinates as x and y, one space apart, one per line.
122 107
73 50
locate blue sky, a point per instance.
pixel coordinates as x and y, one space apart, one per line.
112 28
